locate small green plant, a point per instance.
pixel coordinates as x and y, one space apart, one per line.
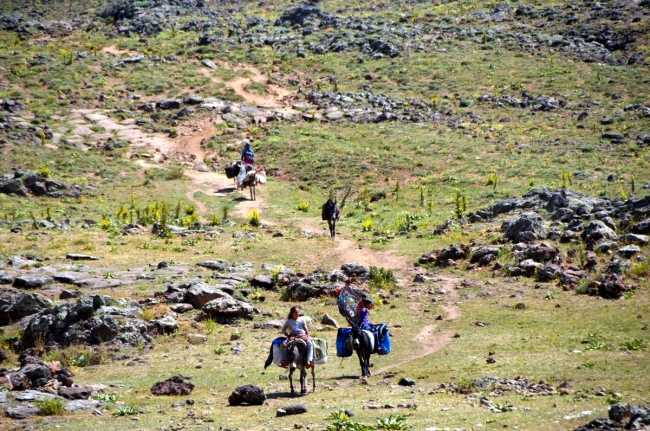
634 344
342 422
633 183
367 225
210 326
531 182
105 224
190 210
219 351
641 269
303 206
461 204
566 179
254 218
275 275
214 220
493 180
505 407
225 210
395 422
51 406
583 287
613 399
628 295
125 411
381 278
107 398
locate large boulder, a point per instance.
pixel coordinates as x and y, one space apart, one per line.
176 385
32 281
215 265
526 227
247 394
485 255
16 304
75 392
201 293
642 227
542 252
611 286
357 269
229 307
38 374
596 230
263 282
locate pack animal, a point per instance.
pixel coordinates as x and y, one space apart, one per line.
331 212
363 343
296 351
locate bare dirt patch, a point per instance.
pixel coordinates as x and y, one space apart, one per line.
431 341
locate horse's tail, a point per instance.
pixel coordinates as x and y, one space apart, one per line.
269 360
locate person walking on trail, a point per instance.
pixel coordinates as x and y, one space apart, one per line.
297 328
248 156
363 313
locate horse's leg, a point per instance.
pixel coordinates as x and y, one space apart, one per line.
313 377
303 380
361 363
291 370
333 229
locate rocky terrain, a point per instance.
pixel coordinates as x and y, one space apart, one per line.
490 160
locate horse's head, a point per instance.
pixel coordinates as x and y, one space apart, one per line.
356 334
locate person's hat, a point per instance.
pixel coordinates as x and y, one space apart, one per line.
369 300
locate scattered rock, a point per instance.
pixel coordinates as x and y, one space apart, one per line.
176 385
247 394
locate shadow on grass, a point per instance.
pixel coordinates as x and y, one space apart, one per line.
226 190
279 395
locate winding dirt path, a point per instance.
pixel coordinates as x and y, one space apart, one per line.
427 338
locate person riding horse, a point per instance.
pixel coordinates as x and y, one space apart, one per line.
298 329
363 314
248 156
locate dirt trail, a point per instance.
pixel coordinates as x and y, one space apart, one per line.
273 99
427 337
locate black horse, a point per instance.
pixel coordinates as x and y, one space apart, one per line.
332 214
363 344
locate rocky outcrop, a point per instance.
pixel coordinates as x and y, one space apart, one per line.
91 320
16 304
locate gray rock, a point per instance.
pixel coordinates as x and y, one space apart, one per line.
31 281
329 321
355 268
78 405
526 227
75 392
228 307
202 293
32 395
216 265
69 277
247 394
168 104
295 409
15 304
263 282
634 239
597 230
166 325
23 411
642 227
76 256
629 250
405 381
209 64
38 374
